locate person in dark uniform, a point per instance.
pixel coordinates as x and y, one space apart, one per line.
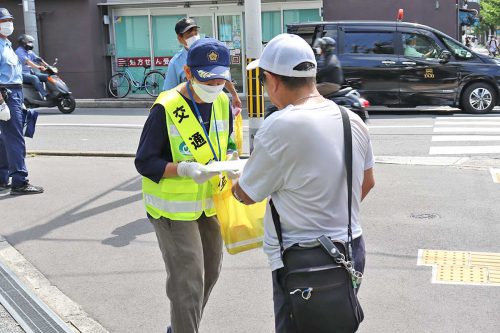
330 76
12 145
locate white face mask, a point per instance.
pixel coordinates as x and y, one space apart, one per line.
207 94
6 28
191 40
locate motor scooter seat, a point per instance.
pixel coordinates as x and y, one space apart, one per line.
341 92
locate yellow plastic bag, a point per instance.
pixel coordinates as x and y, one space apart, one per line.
238 133
242 226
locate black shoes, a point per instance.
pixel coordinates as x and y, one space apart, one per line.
5 187
26 189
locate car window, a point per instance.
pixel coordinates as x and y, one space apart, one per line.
420 46
459 51
369 42
330 31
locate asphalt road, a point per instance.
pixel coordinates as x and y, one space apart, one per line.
89 236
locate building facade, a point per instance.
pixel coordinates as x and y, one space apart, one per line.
439 14
74 33
142 32
94 39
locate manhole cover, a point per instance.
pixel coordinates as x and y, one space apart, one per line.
425 216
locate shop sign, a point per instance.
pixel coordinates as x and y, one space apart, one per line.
134 62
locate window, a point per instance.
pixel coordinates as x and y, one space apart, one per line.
300 16
420 46
457 50
369 42
271 25
330 31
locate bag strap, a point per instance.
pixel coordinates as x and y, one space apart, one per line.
346 123
277 225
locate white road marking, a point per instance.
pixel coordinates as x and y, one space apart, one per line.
400 126
478 117
454 150
92 125
451 138
466 129
474 122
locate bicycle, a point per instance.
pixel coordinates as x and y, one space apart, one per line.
121 83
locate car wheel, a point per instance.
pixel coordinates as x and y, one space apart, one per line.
479 98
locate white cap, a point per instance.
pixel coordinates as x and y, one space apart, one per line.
283 53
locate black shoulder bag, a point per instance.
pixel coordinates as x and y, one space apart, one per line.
318 276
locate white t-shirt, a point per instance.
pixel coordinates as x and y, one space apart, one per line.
298 160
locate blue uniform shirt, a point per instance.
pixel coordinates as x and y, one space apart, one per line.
10 68
24 55
175 72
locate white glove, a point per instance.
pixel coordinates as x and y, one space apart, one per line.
4 111
234 174
194 170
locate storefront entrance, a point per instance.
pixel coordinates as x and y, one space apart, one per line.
146 36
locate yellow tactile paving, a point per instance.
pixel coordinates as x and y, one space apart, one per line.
461 267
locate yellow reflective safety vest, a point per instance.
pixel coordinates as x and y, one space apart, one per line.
181 198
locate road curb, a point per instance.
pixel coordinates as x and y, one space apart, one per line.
117 103
79 153
69 311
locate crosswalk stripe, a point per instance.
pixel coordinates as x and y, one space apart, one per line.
451 138
478 117
466 129
440 123
495 174
451 150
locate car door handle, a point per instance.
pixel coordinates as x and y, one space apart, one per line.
388 62
411 63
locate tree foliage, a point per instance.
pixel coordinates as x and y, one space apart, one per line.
490 12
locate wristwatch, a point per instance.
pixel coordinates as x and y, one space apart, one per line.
236 196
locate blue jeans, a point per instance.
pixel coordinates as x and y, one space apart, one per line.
282 308
36 80
12 145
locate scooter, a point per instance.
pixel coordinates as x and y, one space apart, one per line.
347 97
351 99
59 94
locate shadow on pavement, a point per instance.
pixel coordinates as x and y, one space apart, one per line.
78 213
128 232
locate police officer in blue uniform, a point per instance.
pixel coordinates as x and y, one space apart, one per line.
12 145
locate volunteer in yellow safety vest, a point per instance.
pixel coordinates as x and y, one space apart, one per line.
188 127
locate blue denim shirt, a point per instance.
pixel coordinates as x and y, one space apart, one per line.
10 68
175 72
24 55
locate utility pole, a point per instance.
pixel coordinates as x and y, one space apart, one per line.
255 92
30 22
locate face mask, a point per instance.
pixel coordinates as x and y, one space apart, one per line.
207 94
29 46
6 28
191 40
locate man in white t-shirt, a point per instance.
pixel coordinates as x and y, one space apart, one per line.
298 160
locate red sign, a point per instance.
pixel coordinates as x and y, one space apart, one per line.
134 62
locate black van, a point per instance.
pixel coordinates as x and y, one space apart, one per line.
408 65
